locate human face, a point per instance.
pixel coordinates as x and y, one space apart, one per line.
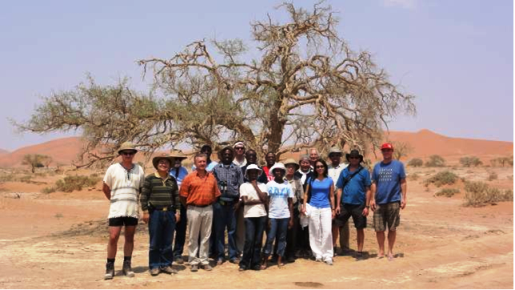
127 155
336 158
252 174
163 165
313 156
279 174
208 151
387 154
177 163
251 157
227 157
239 150
354 161
201 163
270 159
305 165
290 169
319 168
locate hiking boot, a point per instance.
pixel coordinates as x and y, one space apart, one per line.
154 271
194 268
207 267
109 271
127 270
179 260
169 270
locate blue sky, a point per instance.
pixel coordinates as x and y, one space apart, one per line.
455 56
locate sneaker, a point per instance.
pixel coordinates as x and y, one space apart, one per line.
329 262
109 271
219 262
154 271
169 270
127 270
242 268
235 261
207 267
194 268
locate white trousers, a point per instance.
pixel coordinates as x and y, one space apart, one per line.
320 234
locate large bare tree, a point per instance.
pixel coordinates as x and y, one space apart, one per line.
305 87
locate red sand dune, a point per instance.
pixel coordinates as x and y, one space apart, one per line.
3 152
424 144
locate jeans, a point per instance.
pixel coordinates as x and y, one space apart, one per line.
278 229
254 228
161 227
180 234
224 217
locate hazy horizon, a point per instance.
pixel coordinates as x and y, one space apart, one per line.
455 56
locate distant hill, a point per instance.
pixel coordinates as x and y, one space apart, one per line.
423 142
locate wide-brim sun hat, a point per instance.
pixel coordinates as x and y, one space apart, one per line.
253 167
278 165
178 155
335 150
160 157
354 153
127 146
291 161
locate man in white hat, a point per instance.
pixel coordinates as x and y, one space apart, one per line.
123 182
339 228
239 154
253 194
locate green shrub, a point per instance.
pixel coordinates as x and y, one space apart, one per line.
442 178
479 194
435 161
77 182
414 176
416 162
470 161
448 192
492 176
48 190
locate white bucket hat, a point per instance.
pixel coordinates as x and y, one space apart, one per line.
278 166
253 167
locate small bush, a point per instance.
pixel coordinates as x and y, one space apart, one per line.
48 190
448 192
442 178
416 162
77 182
492 176
479 194
414 176
435 161
470 161
25 178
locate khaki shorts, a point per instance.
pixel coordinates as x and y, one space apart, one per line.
387 214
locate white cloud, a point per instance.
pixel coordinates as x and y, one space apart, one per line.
406 4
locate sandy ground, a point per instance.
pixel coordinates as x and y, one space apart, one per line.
59 240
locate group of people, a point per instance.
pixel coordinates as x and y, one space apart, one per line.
301 206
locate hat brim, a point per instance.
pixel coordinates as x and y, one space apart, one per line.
156 160
296 165
258 169
347 156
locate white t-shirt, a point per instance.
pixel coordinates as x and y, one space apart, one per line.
125 187
279 194
334 172
255 210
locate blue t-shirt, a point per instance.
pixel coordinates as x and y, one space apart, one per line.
355 190
320 192
179 177
387 178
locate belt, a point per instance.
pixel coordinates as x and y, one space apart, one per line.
223 202
166 208
199 205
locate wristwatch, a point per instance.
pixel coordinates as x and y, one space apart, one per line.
367 206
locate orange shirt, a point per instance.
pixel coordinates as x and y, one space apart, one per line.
200 191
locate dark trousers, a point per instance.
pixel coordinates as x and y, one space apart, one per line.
303 238
277 232
291 236
254 229
161 227
180 234
224 217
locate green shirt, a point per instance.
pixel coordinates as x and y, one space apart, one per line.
158 192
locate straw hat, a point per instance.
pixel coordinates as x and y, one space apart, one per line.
177 154
162 156
127 146
335 150
292 161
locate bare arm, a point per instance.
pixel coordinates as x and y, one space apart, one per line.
372 203
107 191
331 198
305 199
404 189
290 207
338 198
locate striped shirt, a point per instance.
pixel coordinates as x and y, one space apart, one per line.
125 186
199 191
158 192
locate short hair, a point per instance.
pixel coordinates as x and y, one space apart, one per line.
199 155
221 152
270 152
302 157
250 150
311 149
206 147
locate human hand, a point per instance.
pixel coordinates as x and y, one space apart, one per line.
146 217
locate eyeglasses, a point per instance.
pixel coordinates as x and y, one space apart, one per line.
128 153
320 166
353 157
239 148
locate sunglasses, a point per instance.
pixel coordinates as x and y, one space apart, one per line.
239 148
320 166
129 153
353 157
